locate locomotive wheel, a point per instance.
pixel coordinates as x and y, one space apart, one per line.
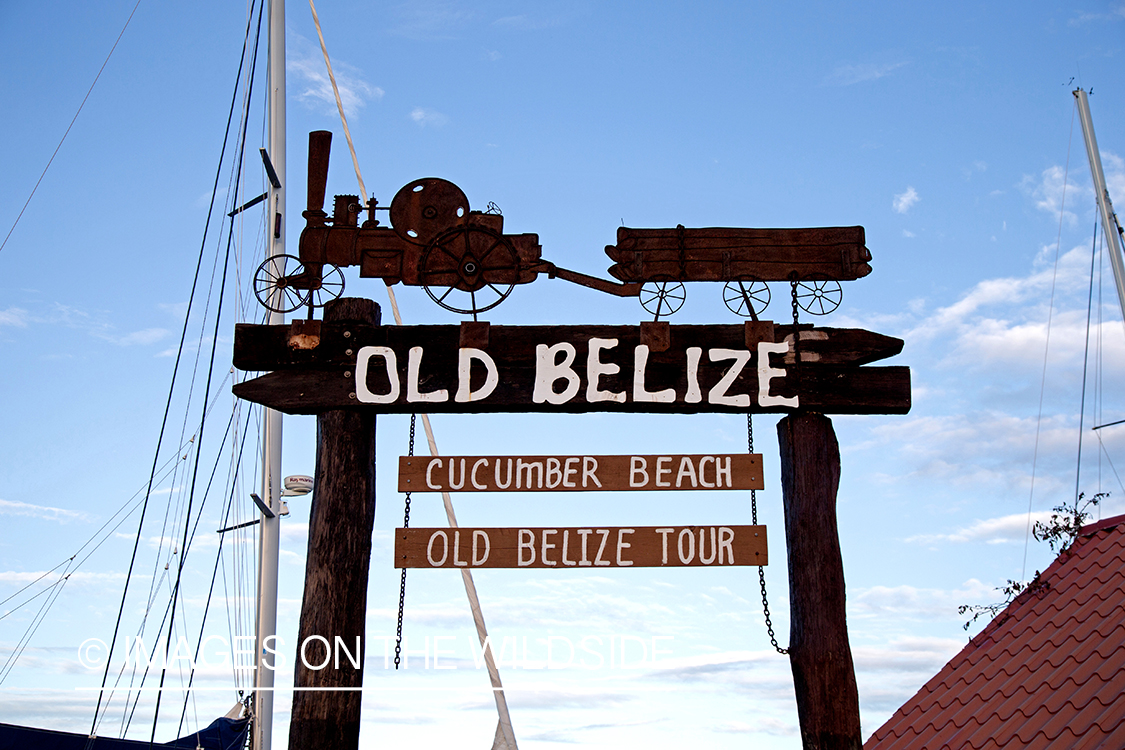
272 284
746 297
469 269
662 297
331 286
425 208
818 295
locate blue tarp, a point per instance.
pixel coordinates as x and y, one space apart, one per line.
221 734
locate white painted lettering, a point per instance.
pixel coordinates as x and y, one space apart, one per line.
444 549
767 373
413 395
584 533
720 470
526 542
478 536
718 394
595 368
703 462
473 477
687 469
693 395
664 544
601 548
554 473
566 542
726 542
589 469
465 359
435 463
504 485
545 546
661 470
703 546
362 360
621 545
457 561
548 370
640 395
521 466
638 465
453 485
686 557
569 470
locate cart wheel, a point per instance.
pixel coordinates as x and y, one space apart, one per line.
662 297
330 287
272 285
469 269
818 295
746 297
425 208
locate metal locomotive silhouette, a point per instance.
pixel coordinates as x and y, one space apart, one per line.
467 264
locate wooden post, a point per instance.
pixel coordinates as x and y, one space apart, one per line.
823 675
339 556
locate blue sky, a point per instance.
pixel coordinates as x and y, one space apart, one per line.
947 131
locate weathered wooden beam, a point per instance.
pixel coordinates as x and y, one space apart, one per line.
581 548
826 389
263 348
819 653
339 556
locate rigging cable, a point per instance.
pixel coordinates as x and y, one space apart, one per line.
505 734
71 125
1047 345
175 372
1085 361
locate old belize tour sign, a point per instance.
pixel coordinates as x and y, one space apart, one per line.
348 367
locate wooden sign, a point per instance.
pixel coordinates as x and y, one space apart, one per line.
653 367
737 471
575 547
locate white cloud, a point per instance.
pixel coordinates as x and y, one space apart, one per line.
13 316
847 75
1010 528
46 512
314 88
903 201
907 233
425 117
1054 191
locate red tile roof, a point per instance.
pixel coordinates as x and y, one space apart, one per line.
1048 672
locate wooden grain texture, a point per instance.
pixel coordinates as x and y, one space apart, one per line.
731 253
734 471
334 605
819 653
579 547
307 381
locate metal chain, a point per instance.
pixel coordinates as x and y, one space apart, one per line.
754 520
402 583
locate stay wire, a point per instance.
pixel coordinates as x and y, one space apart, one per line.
402 583
1085 362
1047 345
175 371
71 125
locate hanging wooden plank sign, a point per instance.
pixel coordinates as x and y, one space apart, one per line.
651 367
576 547
736 471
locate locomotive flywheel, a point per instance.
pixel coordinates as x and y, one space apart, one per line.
469 269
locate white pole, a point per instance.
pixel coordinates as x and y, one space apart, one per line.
271 446
1109 218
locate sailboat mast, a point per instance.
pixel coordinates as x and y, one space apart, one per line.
1110 228
271 445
